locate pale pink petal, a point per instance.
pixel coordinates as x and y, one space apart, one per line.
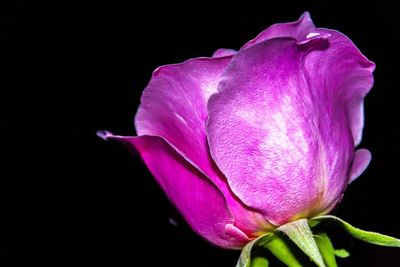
361 160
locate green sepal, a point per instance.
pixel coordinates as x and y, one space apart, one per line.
318 248
245 256
342 253
366 236
300 233
326 249
280 248
259 262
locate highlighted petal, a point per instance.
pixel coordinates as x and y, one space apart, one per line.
263 132
279 126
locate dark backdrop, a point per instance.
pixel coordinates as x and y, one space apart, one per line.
71 199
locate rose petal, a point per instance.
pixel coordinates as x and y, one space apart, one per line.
173 106
279 132
361 160
260 127
297 30
224 52
342 76
342 70
199 201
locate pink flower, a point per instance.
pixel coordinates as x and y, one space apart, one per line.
252 139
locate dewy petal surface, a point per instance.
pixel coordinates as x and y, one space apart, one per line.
297 30
174 107
279 126
200 202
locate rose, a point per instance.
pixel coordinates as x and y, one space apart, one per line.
250 140
258 142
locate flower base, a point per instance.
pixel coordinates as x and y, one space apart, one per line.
316 248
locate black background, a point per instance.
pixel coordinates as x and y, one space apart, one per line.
71 199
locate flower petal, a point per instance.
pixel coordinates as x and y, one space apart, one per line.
342 71
297 30
223 52
174 107
199 201
361 160
260 129
280 132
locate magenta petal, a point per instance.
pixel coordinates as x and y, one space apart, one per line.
361 160
224 52
342 71
297 30
339 78
173 106
279 132
199 201
261 130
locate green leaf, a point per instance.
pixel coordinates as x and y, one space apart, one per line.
245 256
326 248
259 262
342 253
280 248
300 233
366 236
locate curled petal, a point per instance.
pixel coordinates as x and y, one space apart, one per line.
297 30
339 78
341 72
361 160
199 201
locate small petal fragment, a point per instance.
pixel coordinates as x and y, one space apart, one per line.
361 160
224 52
